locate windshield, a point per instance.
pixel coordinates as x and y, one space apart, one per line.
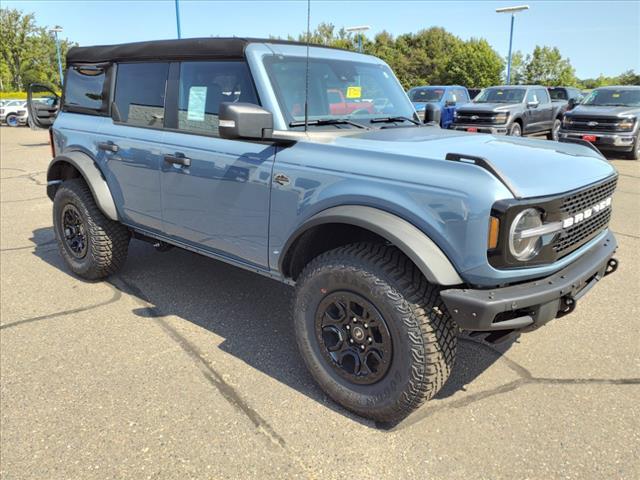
500 95
426 94
558 94
614 97
338 89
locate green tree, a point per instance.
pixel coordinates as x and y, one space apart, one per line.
474 64
629 77
28 52
547 67
518 74
15 30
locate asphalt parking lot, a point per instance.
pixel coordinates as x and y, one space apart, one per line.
183 367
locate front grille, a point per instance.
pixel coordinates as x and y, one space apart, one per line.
600 124
476 117
577 235
589 197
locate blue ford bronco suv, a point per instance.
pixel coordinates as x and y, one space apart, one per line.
395 234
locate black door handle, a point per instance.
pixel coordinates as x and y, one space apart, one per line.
178 159
108 146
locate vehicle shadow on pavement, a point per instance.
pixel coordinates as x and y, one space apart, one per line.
250 312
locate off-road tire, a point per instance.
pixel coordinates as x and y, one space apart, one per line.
12 120
107 241
422 332
515 130
555 130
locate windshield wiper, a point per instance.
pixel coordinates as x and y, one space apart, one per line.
394 120
328 121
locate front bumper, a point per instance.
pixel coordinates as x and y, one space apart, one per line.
605 141
481 128
529 305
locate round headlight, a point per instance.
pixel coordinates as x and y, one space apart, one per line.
525 247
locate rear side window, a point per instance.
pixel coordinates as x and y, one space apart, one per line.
85 89
140 93
204 86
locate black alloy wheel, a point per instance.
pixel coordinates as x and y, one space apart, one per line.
354 337
74 230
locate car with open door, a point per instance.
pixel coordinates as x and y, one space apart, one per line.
395 234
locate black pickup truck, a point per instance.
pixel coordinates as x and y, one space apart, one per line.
609 119
511 110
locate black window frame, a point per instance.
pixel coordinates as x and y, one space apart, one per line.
112 94
172 94
105 107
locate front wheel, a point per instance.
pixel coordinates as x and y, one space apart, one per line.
555 129
635 152
515 130
12 120
372 331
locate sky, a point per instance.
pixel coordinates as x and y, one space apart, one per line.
599 37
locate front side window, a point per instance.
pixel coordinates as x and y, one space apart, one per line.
84 88
500 95
140 93
542 95
366 91
460 96
614 97
204 86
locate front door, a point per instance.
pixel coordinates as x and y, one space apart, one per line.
215 192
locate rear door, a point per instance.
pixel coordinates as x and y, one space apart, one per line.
43 104
130 142
545 109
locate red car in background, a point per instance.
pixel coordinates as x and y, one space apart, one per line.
340 105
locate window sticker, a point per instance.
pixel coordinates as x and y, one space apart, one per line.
354 92
197 100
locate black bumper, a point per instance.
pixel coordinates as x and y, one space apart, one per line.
532 304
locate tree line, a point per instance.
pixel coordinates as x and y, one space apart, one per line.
429 57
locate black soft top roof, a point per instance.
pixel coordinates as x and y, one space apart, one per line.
189 48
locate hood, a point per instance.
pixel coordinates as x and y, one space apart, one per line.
605 111
533 167
488 107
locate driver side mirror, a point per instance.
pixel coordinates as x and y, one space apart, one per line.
571 103
449 103
533 104
244 120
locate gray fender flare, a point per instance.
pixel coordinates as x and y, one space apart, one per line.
91 175
422 251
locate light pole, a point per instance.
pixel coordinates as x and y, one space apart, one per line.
55 30
512 11
178 18
359 30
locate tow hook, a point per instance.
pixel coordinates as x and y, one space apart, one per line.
567 305
612 266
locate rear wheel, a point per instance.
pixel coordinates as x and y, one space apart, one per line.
515 130
373 332
12 120
92 245
555 129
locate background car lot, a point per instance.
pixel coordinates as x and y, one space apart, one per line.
181 367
